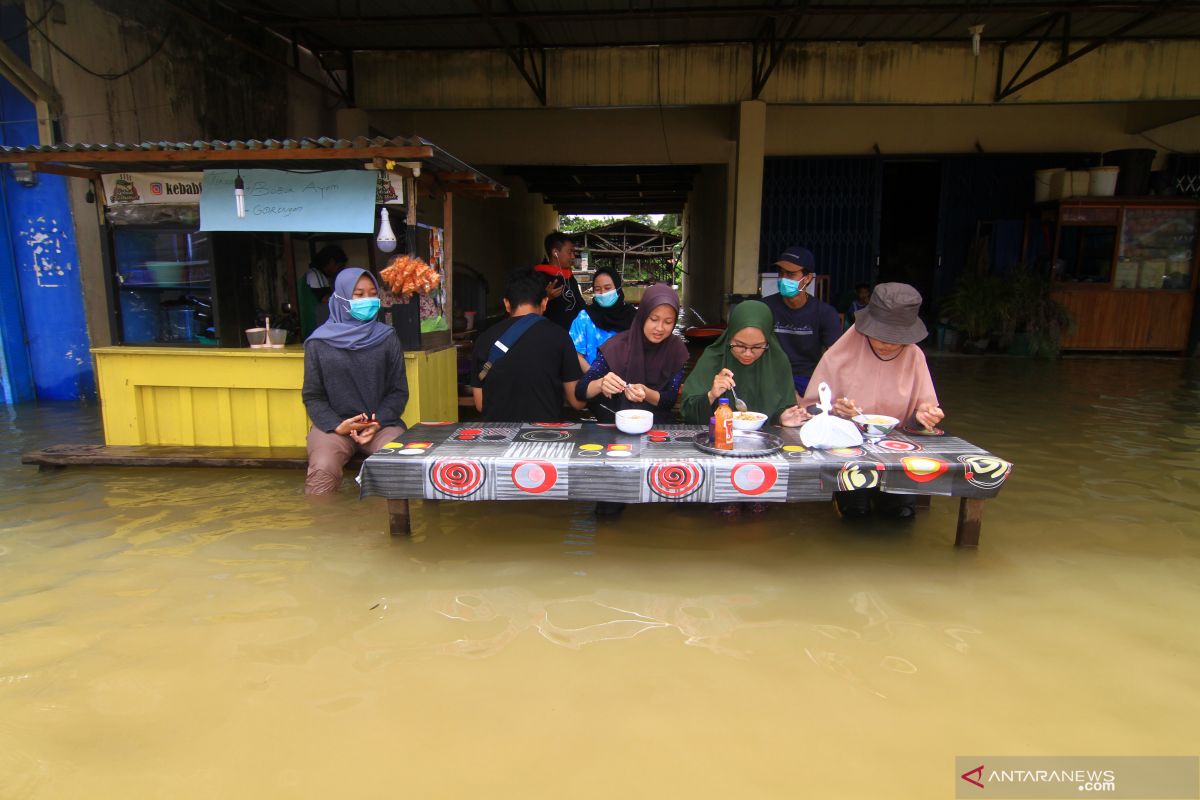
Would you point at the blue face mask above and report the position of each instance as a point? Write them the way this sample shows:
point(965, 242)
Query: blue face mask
point(789, 287)
point(606, 299)
point(364, 308)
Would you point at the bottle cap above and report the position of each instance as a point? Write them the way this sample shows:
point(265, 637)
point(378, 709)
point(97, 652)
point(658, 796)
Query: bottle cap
point(724, 401)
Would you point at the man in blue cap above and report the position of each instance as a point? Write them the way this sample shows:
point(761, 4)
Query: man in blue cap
point(805, 325)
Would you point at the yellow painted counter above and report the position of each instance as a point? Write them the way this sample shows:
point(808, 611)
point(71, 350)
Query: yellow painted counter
point(210, 396)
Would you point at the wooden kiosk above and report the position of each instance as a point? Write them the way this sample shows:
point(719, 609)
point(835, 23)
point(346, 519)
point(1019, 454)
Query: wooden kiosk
point(1124, 268)
point(180, 298)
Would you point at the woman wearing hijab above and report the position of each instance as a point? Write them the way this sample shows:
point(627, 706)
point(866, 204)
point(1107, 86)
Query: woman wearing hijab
point(877, 368)
point(749, 357)
point(607, 316)
point(355, 388)
point(641, 367)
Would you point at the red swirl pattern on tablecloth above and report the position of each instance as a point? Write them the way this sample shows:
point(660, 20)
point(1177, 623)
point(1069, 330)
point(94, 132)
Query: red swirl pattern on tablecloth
point(534, 477)
point(898, 446)
point(753, 477)
point(457, 478)
point(674, 480)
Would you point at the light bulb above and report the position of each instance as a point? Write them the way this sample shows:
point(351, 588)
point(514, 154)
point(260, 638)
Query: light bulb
point(239, 196)
point(386, 240)
point(976, 32)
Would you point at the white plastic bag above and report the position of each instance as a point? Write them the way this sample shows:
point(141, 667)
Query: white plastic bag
point(825, 431)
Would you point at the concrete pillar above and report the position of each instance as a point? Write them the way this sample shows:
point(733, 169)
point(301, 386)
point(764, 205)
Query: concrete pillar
point(747, 213)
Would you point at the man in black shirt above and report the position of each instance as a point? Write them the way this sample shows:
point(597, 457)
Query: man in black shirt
point(566, 299)
point(805, 325)
point(529, 381)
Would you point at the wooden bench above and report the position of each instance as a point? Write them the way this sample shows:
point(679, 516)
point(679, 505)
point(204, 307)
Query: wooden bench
point(101, 455)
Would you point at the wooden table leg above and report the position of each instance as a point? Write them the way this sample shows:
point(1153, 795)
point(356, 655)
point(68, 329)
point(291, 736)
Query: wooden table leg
point(970, 519)
point(398, 521)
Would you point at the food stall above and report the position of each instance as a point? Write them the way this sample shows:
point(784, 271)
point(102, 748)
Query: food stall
point(206, 243)
point(1125, 269)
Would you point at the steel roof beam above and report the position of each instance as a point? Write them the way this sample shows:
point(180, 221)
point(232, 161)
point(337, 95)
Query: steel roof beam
point(528, 55)
point(1068, 58)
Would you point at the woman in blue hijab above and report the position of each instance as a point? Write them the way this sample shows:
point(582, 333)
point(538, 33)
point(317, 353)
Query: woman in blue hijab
point(355, 388)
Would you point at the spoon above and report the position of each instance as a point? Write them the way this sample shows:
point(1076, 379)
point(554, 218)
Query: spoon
point(738, 403)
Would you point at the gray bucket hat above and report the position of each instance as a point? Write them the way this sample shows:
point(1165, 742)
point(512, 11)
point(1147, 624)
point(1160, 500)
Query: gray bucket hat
point(891, 315)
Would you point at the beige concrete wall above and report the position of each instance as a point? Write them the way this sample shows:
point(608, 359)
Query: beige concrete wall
point(578, 137)
point(498, 235)
point(747, 210)
point(813, 73)
point(905, 130)
point(706, 253)
point(196, 86)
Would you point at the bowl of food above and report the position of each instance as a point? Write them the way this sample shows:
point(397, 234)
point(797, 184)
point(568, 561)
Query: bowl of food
point(634, 421)
point(875, 426)
point(748, 420)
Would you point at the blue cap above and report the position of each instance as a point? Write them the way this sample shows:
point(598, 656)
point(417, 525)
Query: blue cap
point(798, 257)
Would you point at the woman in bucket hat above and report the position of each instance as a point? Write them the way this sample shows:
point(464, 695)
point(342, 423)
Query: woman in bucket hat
point(877, 368)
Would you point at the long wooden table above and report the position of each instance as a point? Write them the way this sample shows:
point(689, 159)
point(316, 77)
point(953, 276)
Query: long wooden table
point(590, 462)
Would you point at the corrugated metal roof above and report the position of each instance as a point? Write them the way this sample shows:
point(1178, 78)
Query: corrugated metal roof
point(267, 153)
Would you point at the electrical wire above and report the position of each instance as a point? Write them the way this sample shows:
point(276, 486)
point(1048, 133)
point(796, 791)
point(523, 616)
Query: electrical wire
point(29, 27)
point(108, 76)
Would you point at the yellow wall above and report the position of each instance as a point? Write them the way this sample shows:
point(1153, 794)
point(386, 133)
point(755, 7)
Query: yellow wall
point(835, 72)
point(906, 130)
point(231, 397)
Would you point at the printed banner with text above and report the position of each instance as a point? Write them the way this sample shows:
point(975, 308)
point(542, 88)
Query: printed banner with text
point(340, 201)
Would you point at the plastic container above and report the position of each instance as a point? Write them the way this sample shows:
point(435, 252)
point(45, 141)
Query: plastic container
point(1102, 181)
point(180, 321)
point(276, 337)
point(1080, 183)
point(1043, 183)
point(634, 421)
point(169, 273)
point(1135, 165)
point(723, 438)
point(256, 337)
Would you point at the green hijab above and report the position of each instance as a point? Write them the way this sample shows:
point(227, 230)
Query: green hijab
point(765, 386)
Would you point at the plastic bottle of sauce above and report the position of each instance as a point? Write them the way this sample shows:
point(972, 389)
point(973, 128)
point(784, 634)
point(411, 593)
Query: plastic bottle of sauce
point(723, 438)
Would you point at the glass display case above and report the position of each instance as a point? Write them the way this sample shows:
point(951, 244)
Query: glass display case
point(1157, 249)
point(164, 286)
point(1125, 269)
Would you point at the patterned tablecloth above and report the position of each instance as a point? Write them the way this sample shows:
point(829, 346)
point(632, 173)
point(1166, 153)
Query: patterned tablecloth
point(524, 461)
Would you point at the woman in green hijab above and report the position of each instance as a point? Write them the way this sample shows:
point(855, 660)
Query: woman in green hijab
point(749, 357)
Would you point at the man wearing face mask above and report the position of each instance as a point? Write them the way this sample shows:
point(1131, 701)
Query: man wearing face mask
point(804, 325)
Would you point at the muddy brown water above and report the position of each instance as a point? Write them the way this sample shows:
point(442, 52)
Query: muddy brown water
point(208, 633)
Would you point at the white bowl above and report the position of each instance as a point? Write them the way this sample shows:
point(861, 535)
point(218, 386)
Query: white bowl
point(635, 421)
point(748, 420)
point(875, 426)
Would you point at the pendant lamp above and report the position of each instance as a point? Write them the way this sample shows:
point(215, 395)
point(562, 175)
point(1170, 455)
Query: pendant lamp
point(386, 240)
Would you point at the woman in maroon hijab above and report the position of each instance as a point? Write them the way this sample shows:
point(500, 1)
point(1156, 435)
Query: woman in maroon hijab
point(643, 366)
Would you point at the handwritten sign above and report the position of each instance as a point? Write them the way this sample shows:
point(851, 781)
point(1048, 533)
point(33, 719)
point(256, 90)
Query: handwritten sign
point(342, 201)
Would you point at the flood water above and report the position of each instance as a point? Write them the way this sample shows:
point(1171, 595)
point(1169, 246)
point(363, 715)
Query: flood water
point(210, 633)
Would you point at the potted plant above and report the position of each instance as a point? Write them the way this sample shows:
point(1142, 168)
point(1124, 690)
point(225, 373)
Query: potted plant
point(977, 307)
point(1038, 320)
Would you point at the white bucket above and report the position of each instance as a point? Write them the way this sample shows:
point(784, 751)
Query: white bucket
point(1043, 181)
point(1080, 181)
point(1102, 181)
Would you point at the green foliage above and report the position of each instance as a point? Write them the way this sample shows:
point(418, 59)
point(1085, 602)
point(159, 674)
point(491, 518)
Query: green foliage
point(1017, 303)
